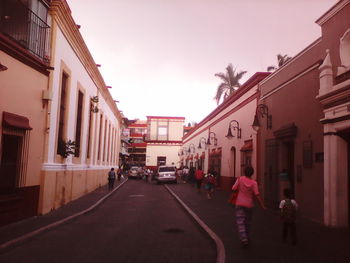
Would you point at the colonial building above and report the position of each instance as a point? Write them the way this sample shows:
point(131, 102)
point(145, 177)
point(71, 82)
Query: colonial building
point(81, 116)
point(137, 146)
point(224, 142)
point(60, 128)
point(305, 146)
point(24, 74)
point(164, 139)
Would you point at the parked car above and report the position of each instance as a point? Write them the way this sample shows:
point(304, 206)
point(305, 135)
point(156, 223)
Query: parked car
point(166, 174)
point(134, 172)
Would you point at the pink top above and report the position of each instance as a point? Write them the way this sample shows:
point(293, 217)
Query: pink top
point(247, 188)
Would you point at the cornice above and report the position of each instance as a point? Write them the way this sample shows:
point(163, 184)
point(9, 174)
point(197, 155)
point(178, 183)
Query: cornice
point(332, 12)
point(61, 13)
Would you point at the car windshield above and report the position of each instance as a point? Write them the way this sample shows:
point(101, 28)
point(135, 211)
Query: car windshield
point(166, 169)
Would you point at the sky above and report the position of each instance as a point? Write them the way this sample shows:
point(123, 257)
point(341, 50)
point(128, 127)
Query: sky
point(160, 56)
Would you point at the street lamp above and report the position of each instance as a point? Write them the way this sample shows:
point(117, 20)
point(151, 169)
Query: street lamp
point(212, 137)
point(262, 110)
point(201, 141)
point(235, 126)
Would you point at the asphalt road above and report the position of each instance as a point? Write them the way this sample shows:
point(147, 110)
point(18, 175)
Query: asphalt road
point(141, 222)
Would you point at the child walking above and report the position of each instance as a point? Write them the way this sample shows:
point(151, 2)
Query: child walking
point(210, 182)
point(288, 208)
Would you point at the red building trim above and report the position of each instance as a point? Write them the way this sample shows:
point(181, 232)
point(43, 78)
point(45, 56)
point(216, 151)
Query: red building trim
point(138, 144)
point(137, 126)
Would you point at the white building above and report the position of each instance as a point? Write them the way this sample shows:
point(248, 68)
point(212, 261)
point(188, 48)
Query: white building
point(81, 109)
point(164, 140)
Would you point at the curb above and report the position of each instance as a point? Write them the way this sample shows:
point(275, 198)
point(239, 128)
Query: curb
point(59, 222)
point(220, 248)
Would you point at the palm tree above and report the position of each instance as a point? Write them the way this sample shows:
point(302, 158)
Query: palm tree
point(281, 61)
point(230, 82)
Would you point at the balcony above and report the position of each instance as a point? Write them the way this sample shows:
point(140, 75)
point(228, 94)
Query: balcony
point(21, 25)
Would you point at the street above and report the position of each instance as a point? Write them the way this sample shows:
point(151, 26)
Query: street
point(141, 222)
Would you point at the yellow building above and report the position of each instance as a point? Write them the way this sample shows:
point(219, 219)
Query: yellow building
point(53, 99)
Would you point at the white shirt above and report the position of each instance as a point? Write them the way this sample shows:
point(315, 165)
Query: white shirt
point(293, 202)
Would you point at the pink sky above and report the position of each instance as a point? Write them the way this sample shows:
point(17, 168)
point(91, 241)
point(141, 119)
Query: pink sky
point(160, 56)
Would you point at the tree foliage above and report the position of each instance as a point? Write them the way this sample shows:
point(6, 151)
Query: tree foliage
point(230, 82)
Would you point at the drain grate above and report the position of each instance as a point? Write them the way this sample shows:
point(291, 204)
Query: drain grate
point(173, 230)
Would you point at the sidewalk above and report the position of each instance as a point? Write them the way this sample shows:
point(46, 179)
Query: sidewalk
point(315, 242)
point(18, 229)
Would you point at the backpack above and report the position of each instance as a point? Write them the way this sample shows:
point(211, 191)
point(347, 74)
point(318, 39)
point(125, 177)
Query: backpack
point(288, 211)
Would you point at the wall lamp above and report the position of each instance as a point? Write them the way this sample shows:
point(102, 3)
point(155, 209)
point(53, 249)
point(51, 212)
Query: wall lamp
point(212, 137)
point(2, 67)
point(262, 110)
point(235, 126)
point(201, 141)
point(190, 147)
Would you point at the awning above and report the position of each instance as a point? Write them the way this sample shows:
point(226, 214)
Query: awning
point(191, 157)
point(196, 156)
point(202, 155)
point(248, 146)
point(14, 120)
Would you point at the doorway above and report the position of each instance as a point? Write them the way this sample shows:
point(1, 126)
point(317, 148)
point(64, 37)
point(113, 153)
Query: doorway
point(10, 163)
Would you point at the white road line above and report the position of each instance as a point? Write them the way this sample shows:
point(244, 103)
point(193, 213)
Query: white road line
point(220, 248)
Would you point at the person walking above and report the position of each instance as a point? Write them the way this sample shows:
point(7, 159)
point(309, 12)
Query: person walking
point(199, 175)
point(247, 189)
point(119, 173)
point(209, 184)
point(185, 171)
point(111, 179)
point(288, 208)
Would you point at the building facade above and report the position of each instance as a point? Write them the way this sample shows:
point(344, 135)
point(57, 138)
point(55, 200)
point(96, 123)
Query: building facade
point(81, 114)
point(224, 142)
point(24, 75)
point(60, 128)
point(164, 139)
point(137, 146)
point(306, 147)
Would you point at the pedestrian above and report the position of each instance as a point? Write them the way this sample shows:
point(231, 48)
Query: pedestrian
point(119, 173)
point(209, 184)
point(288, 208)
point(111, 179)
point(185, 171)
point(191, 173)
point(247, 189)
point(199, 175)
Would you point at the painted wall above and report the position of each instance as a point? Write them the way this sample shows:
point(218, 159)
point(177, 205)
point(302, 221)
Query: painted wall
point(240, 108)
point(21, 93)
point(65, 179)
point(155, 150)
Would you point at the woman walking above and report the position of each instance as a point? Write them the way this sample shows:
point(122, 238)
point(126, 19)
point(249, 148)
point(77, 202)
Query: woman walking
point(247, 189)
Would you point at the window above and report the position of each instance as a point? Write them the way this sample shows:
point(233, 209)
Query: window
point(61, 146)
point(104, 141)
point(89, 130)
point(78, 124)
point(163, 133)
point(100, 138)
